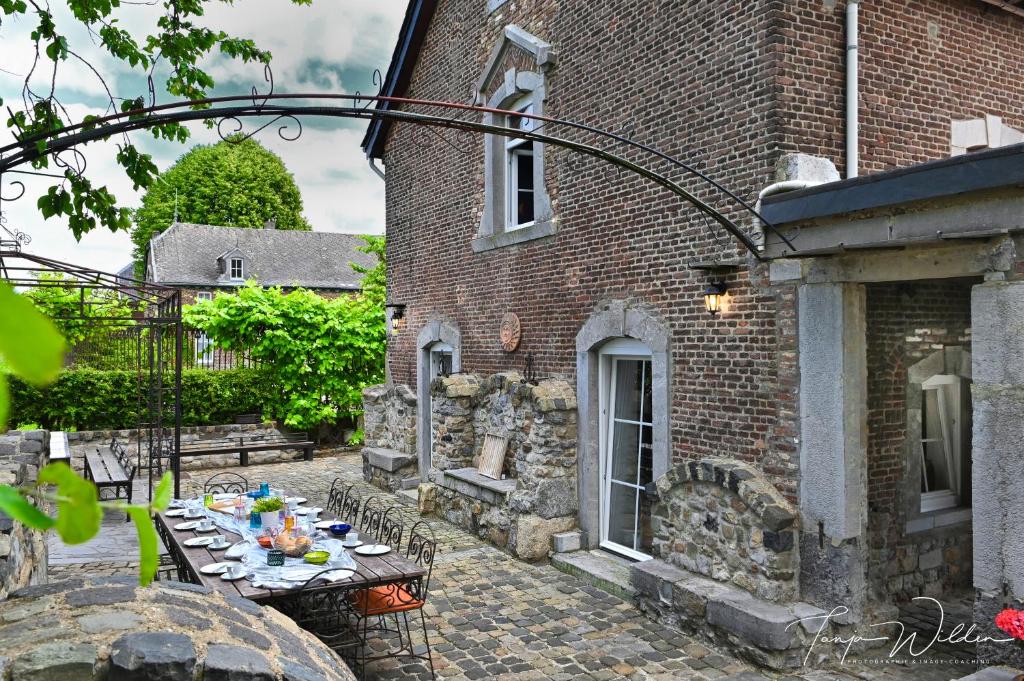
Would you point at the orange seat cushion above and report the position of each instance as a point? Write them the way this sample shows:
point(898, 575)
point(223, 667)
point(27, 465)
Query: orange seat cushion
point(386, 599)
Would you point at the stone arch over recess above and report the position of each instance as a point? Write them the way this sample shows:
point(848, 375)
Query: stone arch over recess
point(617, 319)
point(436, 331)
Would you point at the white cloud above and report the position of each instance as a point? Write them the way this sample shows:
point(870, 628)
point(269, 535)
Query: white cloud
point(340, 192)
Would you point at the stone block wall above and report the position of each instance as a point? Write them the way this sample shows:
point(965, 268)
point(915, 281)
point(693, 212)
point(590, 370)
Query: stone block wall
point(905, 324)
point(23, 553)
point(109, 628)
point(539, 497)
point(389, 417)
point(722, 519)
point(83, 440)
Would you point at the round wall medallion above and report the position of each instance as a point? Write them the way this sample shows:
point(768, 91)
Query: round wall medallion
point(510, 332)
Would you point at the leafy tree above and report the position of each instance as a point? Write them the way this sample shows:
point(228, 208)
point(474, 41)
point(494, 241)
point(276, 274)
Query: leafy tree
point(320, 353)
point(71, 308)
point(235, 183)
point(169, 53)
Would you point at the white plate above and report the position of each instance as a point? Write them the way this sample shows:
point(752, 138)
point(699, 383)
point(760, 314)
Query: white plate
point(194, 516)
point(223, 547)
point(236, 551)
point(373, 550)
point(228, 578)
point(198, 541)
point(214, 568)
point(208, 529)
point(221, 496)
point(297, 500)
point(187, 526)
point(340, 574)
point(175, 513)
point(311, 511)
point(352, 544)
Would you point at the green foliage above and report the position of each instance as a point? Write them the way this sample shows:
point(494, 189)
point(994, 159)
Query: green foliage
point(73, 310)
point(180, 42)
point(321, 353)
point(231, 183)
point(28, 426)
point(357, 438)
point(267, 504)
point(92, 399)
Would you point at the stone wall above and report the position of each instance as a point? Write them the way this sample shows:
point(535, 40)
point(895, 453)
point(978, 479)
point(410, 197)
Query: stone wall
point(23, 553)
point(82, 440)
point(389, 417)
point(537, 498)
point(109, 628)
point(721, 519)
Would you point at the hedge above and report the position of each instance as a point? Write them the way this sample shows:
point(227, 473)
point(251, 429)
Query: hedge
point(93, 399)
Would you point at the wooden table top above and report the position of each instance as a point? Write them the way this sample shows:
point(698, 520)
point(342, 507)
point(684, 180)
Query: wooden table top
point(373, 570)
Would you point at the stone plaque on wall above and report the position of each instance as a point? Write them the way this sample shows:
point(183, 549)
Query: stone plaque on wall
point(510, 332)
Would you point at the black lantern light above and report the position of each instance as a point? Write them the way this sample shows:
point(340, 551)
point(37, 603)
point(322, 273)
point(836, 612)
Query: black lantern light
point(713, 296)
point(397, 317)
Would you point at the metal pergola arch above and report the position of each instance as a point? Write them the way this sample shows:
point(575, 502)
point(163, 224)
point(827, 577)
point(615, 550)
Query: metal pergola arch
point(283, 107)
point(155, 326)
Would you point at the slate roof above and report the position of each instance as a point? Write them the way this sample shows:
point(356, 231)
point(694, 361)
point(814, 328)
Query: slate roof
point(186, 255)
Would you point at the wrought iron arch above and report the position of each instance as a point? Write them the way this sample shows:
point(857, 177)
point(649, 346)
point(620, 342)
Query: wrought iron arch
point(287, 109)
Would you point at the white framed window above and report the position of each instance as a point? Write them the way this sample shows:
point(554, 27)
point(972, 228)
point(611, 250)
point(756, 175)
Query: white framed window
point(945, 451)
point(520, 197)
point(236, 270)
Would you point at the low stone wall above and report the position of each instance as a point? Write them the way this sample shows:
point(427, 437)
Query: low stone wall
point(82, 440)
point(23, 553)
point(109, 628)
point(722, 519)
point(389, 425)
point(537, 498)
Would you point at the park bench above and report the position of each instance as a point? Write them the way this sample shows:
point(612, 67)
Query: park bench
point(111, 469)
point(59, 449)
point(244, 446)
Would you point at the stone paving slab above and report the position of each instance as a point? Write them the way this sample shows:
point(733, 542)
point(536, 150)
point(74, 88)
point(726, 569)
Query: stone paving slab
point(491, 616)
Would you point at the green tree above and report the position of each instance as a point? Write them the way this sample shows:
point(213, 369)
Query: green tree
point(234, 183)
point(320, 353)
point(168, 55)
point(74, 310)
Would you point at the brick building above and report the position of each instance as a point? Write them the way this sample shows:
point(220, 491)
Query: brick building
point(808, 446)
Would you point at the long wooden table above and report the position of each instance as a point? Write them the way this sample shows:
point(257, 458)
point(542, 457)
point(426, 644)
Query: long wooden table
point(373, 570)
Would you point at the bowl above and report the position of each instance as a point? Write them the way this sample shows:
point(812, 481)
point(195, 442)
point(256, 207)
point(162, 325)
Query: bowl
point(265, 541)
point(317, 557)
point(293, 546)
point(340, 529)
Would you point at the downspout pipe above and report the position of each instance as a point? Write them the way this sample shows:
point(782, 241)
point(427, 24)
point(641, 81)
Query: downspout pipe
point(373, 166)
point(852, 90)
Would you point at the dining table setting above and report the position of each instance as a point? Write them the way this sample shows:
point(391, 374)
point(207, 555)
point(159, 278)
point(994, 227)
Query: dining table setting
point(264, 544)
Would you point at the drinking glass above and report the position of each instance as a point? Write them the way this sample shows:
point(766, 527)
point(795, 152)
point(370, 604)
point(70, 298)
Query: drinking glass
point(264, 488)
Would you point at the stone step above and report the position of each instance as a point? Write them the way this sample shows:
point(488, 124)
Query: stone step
point(600, 569)
point(410, 483)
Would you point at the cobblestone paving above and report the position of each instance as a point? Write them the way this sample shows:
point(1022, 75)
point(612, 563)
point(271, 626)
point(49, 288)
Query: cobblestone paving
point(491, 616)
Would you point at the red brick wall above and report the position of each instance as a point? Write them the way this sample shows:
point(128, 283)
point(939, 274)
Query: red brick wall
point(905, 324)
point(922, 63)
point(726, 85)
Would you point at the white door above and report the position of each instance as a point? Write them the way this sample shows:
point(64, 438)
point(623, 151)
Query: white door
point(440, 365)
point(626, 450)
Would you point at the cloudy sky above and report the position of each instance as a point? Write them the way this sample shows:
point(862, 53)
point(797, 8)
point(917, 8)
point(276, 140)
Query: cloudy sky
point(330, 46)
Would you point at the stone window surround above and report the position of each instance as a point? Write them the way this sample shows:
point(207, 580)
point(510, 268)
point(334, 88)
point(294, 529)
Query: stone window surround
point(615, 321)
point(951, 360)
point(433, 332)
point(516, 87)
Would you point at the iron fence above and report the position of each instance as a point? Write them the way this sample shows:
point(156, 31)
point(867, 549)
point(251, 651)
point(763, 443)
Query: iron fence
point(121, 348)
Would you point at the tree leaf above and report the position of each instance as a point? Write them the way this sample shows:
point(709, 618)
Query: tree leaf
point(78, 512)
point(162, 494)
point(148, 552)
point(18, 507)
point(5, 401)
point(29, 342)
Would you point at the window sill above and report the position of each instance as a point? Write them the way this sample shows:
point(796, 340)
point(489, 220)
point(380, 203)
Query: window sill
point(537, 230)
point(494, 4)
point(937, 520)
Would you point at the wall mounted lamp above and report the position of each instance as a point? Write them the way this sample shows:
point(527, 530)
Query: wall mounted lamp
point(397, 317)
point(713, 296)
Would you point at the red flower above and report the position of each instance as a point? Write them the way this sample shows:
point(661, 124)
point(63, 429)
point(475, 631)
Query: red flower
point(1012, 622)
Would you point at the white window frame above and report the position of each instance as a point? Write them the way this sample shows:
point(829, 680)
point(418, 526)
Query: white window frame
point(241, 269)
point(620, 348)
point(952, 441)
point(513, 145)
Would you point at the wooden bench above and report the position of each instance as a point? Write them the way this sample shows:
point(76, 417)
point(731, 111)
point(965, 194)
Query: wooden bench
point(59, 449)
point(243, 446)
point(111, 469)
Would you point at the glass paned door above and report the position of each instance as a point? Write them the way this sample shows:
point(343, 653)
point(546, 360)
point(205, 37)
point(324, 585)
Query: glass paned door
point(628, 460)
point(440, 365)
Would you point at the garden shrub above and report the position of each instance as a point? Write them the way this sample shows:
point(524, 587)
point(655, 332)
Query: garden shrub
point(92, 399)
